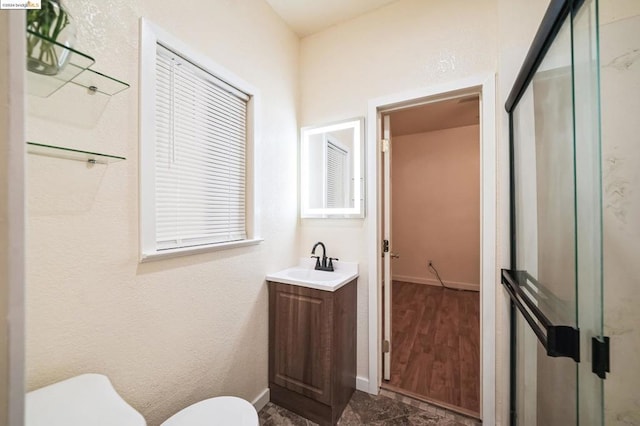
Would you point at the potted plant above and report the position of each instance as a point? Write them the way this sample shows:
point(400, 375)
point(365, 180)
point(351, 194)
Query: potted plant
point(48, 30)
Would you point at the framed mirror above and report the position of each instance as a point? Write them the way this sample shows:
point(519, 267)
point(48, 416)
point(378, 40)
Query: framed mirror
point(332, 170)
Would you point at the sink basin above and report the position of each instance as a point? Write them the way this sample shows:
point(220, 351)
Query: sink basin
point(304, 275)
point(309, 274)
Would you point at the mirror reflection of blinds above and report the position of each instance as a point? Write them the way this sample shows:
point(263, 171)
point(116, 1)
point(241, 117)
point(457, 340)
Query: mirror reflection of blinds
point(336, 170)
point(200, 155)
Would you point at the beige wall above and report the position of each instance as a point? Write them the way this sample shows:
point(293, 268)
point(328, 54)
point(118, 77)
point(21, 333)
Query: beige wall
point(171, 332)
point(620, 91)
point(4, 219)
point(12, 221)
point(407, 45)
point(436, 206)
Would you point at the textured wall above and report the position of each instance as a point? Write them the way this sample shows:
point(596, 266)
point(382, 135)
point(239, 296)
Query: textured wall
point(620, 91)
point(436, 206)
point(12, 220)
point(4, 219)
point(171, 332)
point(408, 44)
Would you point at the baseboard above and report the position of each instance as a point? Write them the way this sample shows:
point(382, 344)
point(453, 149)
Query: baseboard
point(362, 384)
point(429, 281)
point(261, 400)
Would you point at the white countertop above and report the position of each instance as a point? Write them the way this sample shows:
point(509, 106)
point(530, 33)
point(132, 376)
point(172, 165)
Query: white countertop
point(305, 275)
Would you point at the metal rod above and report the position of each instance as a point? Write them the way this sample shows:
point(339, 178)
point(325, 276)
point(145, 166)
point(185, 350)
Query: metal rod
point(513, 336)
point(532, 323)
point(540, 316)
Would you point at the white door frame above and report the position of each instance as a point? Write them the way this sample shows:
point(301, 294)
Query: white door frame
point(485, 86)
point(387, 277)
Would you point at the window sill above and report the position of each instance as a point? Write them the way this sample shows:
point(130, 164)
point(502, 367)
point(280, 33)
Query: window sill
point(186, 251)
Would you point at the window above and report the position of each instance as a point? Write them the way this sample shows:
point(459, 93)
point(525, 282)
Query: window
point(196, 148)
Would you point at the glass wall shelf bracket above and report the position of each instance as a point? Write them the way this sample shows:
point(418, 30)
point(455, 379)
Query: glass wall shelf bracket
point(96, 82)
point(76, 71)
point(72, 154)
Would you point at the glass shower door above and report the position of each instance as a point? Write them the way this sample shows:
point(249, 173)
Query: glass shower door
point(559, 356)
point(545, 230)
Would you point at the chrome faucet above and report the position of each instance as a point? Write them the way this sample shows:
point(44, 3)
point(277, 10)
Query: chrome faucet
point(322, 265)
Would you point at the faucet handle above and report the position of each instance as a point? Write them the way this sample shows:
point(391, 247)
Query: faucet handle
point(331, 259)
point(317, 258)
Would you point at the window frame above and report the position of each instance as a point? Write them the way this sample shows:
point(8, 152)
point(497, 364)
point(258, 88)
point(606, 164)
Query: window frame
point(150, 36)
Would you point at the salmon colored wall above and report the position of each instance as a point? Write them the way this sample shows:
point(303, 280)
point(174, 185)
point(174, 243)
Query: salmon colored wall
point(436, 206)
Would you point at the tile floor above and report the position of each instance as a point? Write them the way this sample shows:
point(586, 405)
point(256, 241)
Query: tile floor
point(388, 408)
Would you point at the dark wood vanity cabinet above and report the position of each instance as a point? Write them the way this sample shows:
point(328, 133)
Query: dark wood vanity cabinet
point(312, 349)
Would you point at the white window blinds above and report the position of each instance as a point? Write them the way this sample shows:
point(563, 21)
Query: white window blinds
point(336, 176)
point(200, 155)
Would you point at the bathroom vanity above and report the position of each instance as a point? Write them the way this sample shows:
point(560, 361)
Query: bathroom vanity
point(312, 341)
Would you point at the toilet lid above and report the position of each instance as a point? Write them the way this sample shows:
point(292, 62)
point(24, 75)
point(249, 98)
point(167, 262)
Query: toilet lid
point(88, 399)
point(220, 411)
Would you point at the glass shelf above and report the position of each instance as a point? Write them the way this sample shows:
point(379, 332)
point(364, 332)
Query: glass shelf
point(96, 82)
point(72, 154)
point(76, 71)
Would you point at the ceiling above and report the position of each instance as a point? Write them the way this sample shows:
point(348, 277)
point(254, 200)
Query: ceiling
point(307, 17)
point(447, 114)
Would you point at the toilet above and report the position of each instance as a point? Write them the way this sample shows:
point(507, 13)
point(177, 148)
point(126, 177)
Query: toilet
point(224, 410)
point(90, 399)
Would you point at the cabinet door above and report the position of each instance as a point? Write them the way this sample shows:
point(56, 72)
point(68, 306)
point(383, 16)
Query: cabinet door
point(300, 326)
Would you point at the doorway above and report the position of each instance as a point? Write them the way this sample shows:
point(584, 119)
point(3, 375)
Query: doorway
point(483, 89)
point(431, 198)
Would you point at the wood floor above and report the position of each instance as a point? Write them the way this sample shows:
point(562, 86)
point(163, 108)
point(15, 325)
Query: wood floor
point(436, 344)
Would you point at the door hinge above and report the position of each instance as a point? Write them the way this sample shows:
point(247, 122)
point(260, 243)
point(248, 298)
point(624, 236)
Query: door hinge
point(385, 246)
point(385, 145)
point(600, 356)
point(385, 347)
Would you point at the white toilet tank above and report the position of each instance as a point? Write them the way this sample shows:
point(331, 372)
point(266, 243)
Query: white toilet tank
point(88, 399)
